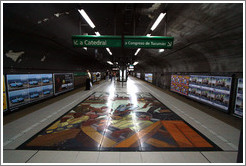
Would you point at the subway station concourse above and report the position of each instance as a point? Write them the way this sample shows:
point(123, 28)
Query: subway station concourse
point(122, 83)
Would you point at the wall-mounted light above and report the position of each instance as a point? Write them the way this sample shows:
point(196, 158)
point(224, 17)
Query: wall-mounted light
point(135, 63)
point(158, 20)
point(109, 51)
point(137, 51)
point(161, 50)
point(86, 17)
point(148, 35)
point(109, 62)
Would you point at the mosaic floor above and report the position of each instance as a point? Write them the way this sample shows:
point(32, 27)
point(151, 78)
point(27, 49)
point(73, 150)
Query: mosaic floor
point(120, 122)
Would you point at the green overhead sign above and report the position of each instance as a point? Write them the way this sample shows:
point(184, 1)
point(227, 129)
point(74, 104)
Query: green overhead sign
point(148, 42)
point(129, 41)
point(96, 41)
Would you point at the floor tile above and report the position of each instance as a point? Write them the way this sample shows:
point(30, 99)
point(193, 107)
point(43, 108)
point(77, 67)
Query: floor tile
point(130, 157)
point(152, 157)
point(87, 157)
point(17, 156)
point(184, 157)
point(54, 157)
point(109, 157)
point(221, 157)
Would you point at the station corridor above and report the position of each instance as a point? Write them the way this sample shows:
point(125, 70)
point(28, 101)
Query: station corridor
point(115, 122)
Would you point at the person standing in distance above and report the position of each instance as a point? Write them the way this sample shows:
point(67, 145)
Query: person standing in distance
point(107, 75)
point(88, 80)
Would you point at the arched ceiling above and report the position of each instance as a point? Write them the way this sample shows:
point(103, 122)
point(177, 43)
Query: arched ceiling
point(208, 37)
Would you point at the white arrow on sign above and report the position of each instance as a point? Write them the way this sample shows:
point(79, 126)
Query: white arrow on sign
point(169, 44)
point(75, 42)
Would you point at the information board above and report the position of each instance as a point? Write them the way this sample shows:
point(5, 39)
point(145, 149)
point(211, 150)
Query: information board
point(214, 90)
point(238, 110)
point(26, 88)
point(63, 82)
point(180, 84)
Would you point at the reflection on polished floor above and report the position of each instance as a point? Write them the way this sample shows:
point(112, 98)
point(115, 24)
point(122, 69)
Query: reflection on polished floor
point(124, 121)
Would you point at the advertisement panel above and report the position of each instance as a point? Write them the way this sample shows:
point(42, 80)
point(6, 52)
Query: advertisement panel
point(214, 90)
point(34, 80)
point(47, 90)
point(180, 84)
point(26, 88)
point(238, 110)
point(46, 79)
point(148, 77)
point(138, 75)
point(98, 74)
point(18, 97)
point(63, 82)
point(17, 81)
point(94, 77)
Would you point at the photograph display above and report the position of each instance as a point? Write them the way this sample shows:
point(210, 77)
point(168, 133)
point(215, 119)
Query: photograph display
point(94, 77)
point(63, 82)
point(17, 81)
point(180, 84)
point(107, 122)
point(138, 75)
point(148, 77)
point(214, 90)
point(239, 99)
point(18, 97)
point(98, 75)
point(26, 88)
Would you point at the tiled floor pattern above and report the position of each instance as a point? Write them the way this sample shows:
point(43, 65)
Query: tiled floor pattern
point(120, 121)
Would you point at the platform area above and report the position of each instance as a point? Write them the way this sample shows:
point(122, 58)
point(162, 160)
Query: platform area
point(114, 122)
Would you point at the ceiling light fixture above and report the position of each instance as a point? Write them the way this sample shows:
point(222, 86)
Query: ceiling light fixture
point(158, 20)
point(135, 63)
point(97, 33)
point(109, 62)
point(86, 17)
point(109, 51)
point(161, 50)
point(137, 51)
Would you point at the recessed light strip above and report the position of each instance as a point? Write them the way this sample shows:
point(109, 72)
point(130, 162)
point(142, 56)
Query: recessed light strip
point(109, 51)
point(109, 62)
point(86, 17)
point(158, 20)
point(137, 51)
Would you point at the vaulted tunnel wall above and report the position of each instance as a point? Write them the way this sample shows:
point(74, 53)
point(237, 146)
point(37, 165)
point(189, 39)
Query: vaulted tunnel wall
point(42, 55)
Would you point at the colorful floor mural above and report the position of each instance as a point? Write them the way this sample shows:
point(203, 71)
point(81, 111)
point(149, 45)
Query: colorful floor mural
point(120, 122)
